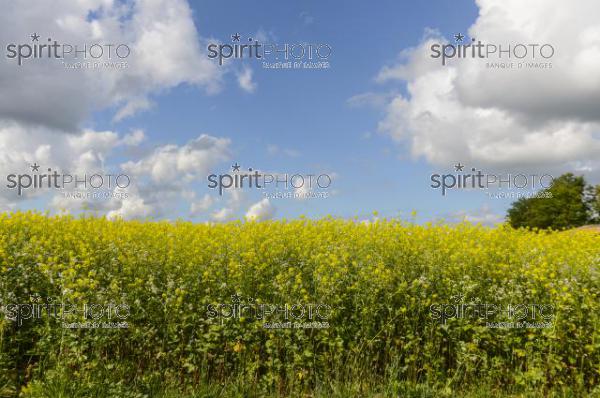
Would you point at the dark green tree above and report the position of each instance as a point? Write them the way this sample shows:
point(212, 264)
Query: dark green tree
point(567, 203)
point(594, 200)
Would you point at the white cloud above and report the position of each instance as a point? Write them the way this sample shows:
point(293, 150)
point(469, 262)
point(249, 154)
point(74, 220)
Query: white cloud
point(235, 200)
point(134, 138)
point(160, 181)
point(132, 207)
point(132, 106)
point(262, 210)
point(370, 99)
point(265, 36)
point(484, 216)
point(166, 51)
point(168, 174)
point(532, 119)
point(202, 205)
point(306, 18)
point(171, 164)
point(223, 214)
point(276, 150)
point(22, 146)
point(244, 78)
point(302, 192)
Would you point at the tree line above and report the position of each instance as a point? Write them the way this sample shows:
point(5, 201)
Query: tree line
point(568, 202)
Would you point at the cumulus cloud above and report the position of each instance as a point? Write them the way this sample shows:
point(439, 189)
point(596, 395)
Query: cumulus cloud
point(223, 214)
point(159, 180)
point(245, 81)
point(528, 118)
point(172, 164)
point(235, 198)
point(166, 51)
point(21, 147)
point(202, 205)
point(164, 176)
point(167, 178)
point(262, 210)
point(130, 108)
point(133, 207)
point(484, 216)
point(134, 138)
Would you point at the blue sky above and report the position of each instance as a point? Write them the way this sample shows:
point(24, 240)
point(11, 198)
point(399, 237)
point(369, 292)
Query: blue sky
point(382, 119)
point(308, 111)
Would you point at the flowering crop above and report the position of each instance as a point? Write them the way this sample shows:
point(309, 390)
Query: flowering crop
point(378, 282)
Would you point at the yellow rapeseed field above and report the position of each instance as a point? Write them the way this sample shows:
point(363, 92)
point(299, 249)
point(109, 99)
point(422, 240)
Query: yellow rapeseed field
point(377, 284)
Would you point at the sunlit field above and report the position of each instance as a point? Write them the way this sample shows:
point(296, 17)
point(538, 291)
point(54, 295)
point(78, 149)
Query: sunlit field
point(295, 308)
